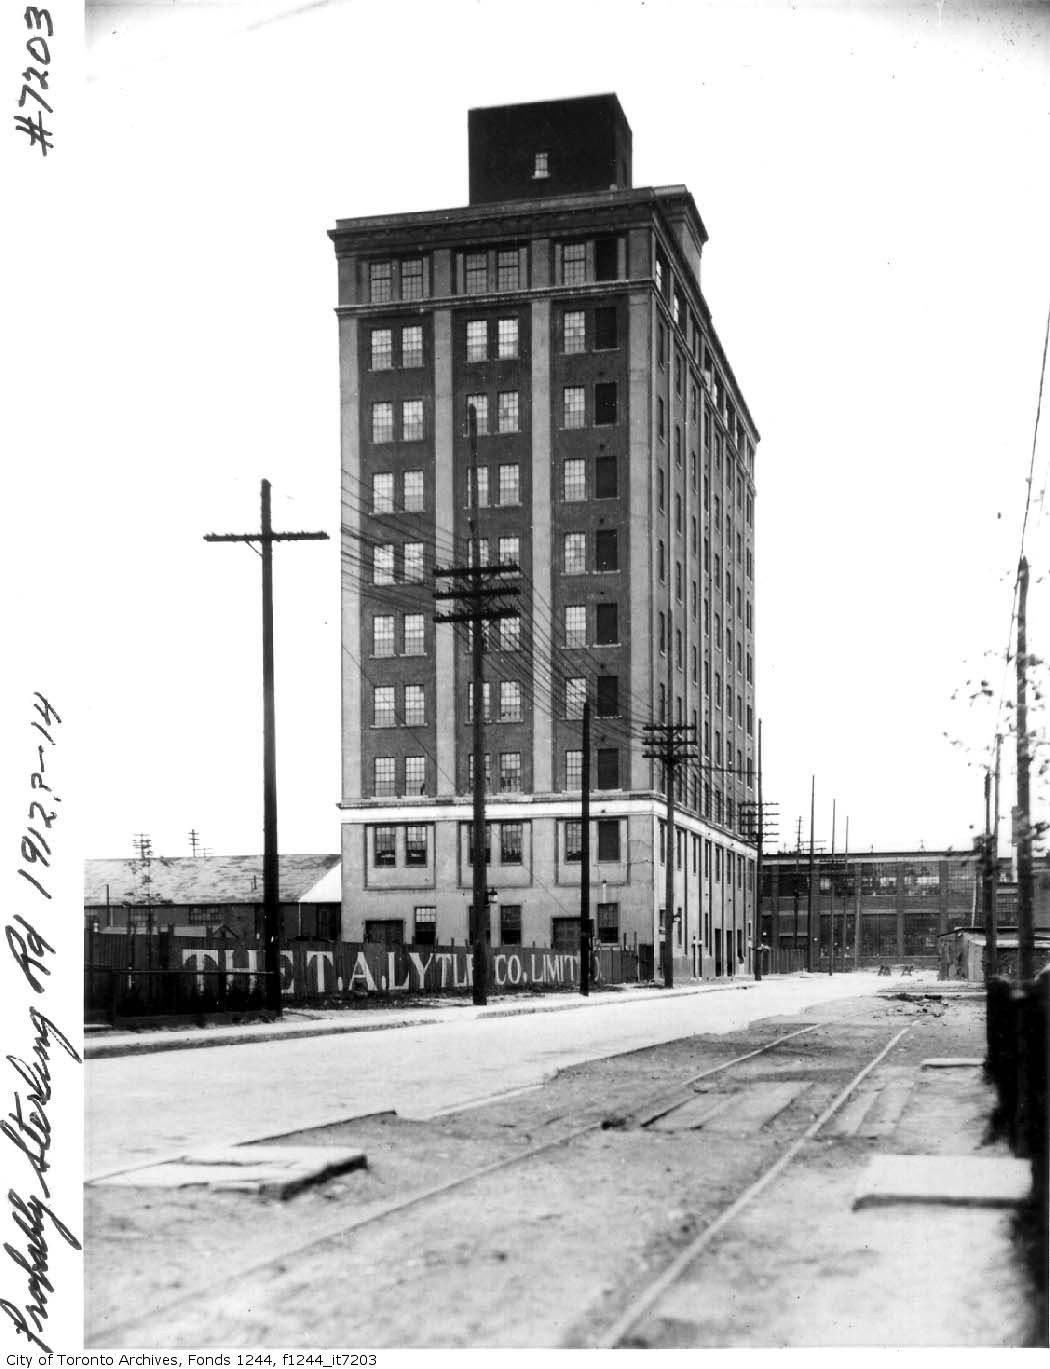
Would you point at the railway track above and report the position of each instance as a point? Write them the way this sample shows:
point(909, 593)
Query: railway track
point(641, 1110)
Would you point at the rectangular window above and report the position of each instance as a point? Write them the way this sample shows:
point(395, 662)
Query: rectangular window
point(508, 551)
point(477, 339)
point(486, 694)
point(576, 625)
point(488, 773)
point(573, 406)
point(383, 708)
point(384, 844)
point(608, 767)
point(604, 328)
point(415, 706)
point(510, 701)
point(415, 843)
point(382, 349)
point(608, 839)
point(412, 278)
point(608, 696)
point(609, 924)
point(660, 421)
point(384, 769)
point(510, 772)
point(606, 625)
point(509, 634)
point(476, 272)
point(606, 550)
point(575, 696)
point(574, 479)
point(414, 644)
point(415, 775)
point(411, 420)
point(425, 932)
point(379, 278)
point(480, 405)
point(507, 269)
point(382, 421)
point(509, 484)
point(606, 258)
point(510, 843)
point(605, 478)
point(573, 769)
point(507, 411)
point(478, 490)
point(383, 564)
point(660, 487)
point(412, 492)
point(575, 553)
point(510, 924)
point(573, 841)
point(413, 563)
point(383, 635)
point(605, 403)
point(574, 330)
point(507, 338)
point(573, 263)
point(383, 492)
point(412, 346)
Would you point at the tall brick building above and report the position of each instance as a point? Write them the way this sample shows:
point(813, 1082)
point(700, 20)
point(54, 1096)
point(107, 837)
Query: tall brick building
point(616, 461)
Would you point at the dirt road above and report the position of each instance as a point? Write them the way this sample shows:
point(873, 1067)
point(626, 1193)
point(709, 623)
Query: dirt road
point(540, 1219)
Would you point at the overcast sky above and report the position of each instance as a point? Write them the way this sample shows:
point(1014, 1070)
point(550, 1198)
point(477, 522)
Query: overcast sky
point(873, 179)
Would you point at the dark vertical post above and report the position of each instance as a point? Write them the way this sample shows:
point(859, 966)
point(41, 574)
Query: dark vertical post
point(986, 877)
point(831, 900)
point(479, 912)
point(809, 896)
point(669, 843)
point(271, 893)
point(585, 856)
point(845, 894)
point(756, 940)
point(1025, 926)
point(992, 948)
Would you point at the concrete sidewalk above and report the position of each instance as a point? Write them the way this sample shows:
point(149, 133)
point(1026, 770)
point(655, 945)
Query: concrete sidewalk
point(299, 1023)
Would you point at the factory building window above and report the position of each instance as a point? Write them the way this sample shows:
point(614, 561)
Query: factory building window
point(385, 773)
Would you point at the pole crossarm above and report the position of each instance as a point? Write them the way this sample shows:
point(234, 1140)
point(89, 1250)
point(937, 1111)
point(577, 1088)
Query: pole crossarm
point(502, 568)
point(266, 537)
point(495, 592)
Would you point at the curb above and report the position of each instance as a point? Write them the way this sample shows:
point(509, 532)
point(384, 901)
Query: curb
point(155, 1043)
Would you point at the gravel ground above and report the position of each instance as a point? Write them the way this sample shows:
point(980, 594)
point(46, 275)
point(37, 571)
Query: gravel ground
point(548, 1252)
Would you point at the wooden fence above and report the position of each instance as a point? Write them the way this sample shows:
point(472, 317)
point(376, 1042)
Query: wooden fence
point(132, 974)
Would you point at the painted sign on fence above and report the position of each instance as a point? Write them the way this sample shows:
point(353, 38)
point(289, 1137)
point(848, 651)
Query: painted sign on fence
point(351, 969)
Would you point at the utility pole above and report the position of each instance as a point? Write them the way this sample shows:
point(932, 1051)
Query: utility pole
point(809, 899)
point(760, 820)
point(195, 841)
point(798, 852)
point(831, 901)
point(479, 585)
point(1025, 926)
point(266, 537)
point(585, 856)
point(671, 743)
point(845, 895)
point(757, 938)
point(992, 943)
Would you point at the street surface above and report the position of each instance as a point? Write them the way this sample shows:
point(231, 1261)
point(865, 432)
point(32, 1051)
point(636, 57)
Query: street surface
point(699, 1193)
point(143, 1108)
